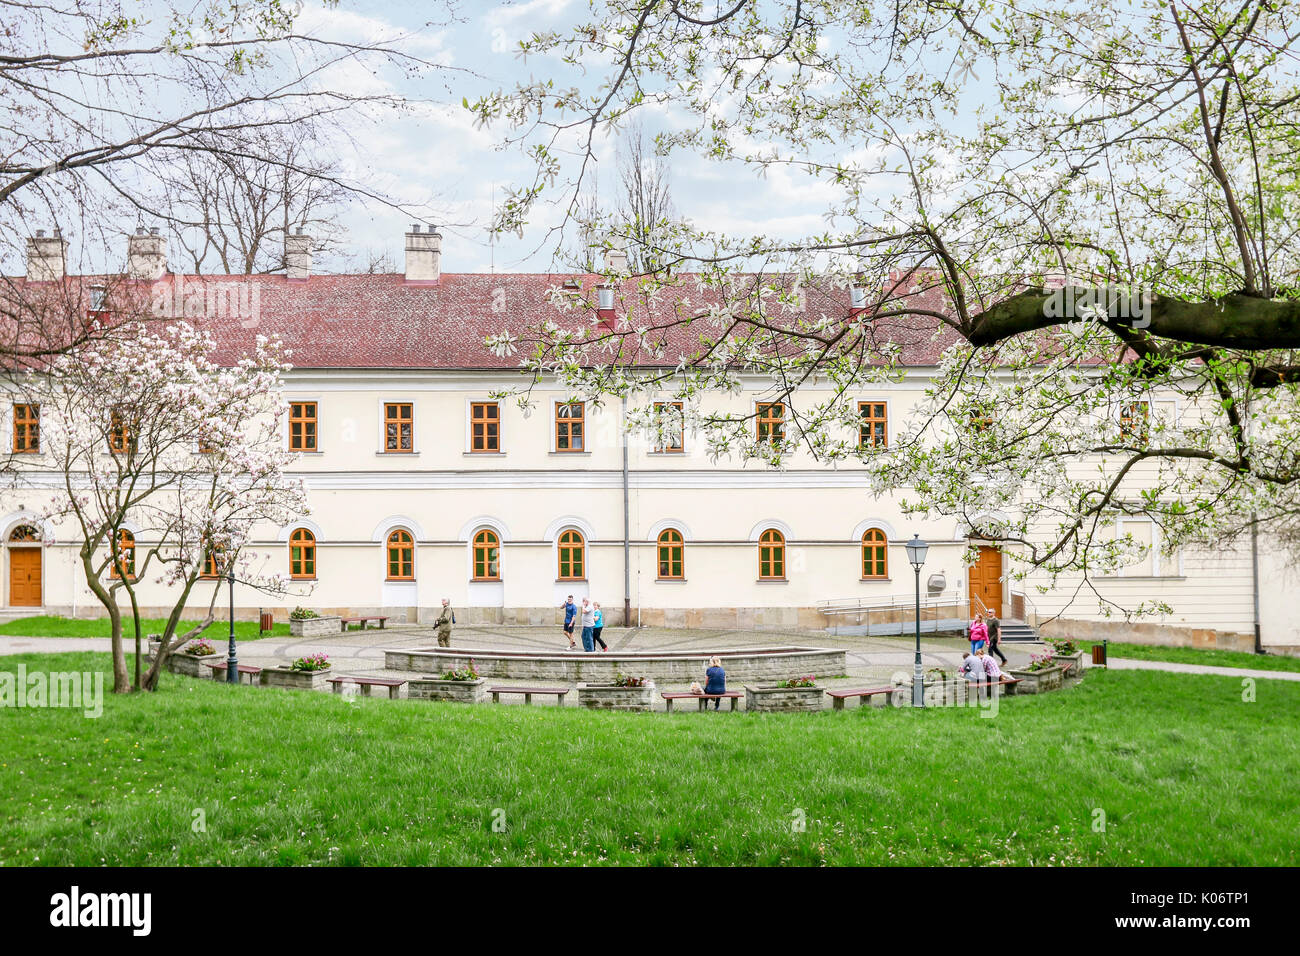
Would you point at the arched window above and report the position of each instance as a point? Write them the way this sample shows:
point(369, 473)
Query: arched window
point(24, 534)
point(573, 556)
point(671, 555)
point(401, 556)
point(302, 554)
point(487, 556)
point(875, 557)
point(124, 565)
point(771, 556)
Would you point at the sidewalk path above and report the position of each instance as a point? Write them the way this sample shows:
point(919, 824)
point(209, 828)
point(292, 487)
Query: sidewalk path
point(1127, 664)
point(56, 645)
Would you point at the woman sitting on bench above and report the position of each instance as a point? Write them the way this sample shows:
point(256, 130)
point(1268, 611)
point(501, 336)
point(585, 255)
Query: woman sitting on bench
point(717, 682)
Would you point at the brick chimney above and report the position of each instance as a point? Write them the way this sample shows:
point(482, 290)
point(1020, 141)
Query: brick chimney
point(47, 256)
point(146, 255)
point(605, 306)
point(297, 255)
point(423, 255)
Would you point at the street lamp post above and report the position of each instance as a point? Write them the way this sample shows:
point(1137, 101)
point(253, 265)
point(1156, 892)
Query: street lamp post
point(916, 550)
point(232, 662)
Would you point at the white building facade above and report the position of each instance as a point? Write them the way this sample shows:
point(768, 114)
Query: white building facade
point(423, 485)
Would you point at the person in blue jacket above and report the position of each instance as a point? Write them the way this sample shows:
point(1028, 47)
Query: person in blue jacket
point(570, 612)
point(717, 682)
point(598, 627)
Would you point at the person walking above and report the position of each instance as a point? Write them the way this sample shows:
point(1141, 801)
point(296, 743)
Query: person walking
point(716, 682)
point(979, 633)
point(588, 614)
point(995, 630)
point(597, 626)
point(570, 612)
point(444, 623)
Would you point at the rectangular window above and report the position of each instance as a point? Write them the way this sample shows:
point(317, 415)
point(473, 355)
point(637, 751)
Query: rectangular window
point(398, 424)
point(672, 428)
point(121, 436)
point(771, 422)
point(484, 427)
point(570, 418)
point(302, 426)
point(873, 431)
point(27, 429)
point(1135, 421)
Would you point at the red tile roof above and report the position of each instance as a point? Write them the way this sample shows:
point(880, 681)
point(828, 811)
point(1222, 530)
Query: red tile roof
point(384, 321)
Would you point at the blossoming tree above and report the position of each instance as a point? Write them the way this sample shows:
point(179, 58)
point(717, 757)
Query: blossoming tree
point(167, 462)
point(1082, 217)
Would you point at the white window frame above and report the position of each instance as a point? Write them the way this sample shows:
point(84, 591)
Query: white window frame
point(1157, 558)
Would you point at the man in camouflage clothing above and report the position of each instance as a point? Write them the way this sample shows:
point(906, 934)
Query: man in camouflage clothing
point(444, 623)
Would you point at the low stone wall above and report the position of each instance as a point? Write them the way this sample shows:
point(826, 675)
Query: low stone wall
point(296, 680)
point(316, 626)
point(783, 699)
point(612, 697)
point(461, 691)
point(192, 666)
point(1035, 682)
point(1149, 633)
point(573, 667)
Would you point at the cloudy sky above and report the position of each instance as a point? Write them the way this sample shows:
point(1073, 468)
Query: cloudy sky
point(431, 153)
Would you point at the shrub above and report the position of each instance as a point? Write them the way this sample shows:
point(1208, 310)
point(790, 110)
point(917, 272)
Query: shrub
point(469, 673)
point(1064, 646)
point(313, 662)
point(1039, 662)
point(808, 680)
point(199, 647)
point(302, 614)
point(627, 680)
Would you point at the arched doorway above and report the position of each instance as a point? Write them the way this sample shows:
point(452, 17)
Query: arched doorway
point(986, 581)
point(25, 567)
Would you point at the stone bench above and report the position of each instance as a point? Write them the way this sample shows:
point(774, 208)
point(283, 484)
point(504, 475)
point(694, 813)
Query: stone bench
point(394, 684)
point(528, 693)
point(732, 695)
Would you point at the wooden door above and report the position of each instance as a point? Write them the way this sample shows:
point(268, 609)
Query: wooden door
point(25, 577)
point(986, 581)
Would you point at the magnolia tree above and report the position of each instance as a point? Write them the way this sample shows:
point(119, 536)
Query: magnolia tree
point(167, 462)
point(1084, 216)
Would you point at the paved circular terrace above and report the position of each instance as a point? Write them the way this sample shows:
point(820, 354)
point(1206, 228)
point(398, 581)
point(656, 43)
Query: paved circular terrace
point(869, 659)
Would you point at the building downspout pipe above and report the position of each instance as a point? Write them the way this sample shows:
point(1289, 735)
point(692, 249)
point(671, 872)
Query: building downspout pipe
point(1254, 578)
point(627, 532)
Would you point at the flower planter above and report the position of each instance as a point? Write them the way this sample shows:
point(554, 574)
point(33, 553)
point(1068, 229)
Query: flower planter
point(776, 699)
point(612, 697)
point(296, 680)
point(462, 691)
point(191, 665)
point(316, 626)
point(1035, 682)
point(1076, 671)
point(938, 693)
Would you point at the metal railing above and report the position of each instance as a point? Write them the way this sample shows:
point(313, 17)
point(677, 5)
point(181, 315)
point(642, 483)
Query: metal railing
point(896, 613)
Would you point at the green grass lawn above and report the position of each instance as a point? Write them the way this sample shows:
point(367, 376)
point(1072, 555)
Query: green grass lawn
point(1184, 770)
point(1196, 655)
point(51, 625)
